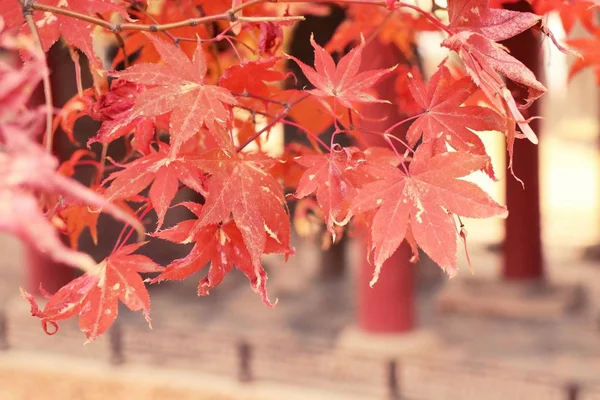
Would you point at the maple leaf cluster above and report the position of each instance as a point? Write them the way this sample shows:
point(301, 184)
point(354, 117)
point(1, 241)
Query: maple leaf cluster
point(194, 83)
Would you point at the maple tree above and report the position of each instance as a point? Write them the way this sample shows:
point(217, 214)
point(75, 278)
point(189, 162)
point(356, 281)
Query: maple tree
point(206, 82)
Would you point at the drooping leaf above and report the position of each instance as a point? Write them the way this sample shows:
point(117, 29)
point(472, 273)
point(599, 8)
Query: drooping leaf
point(28, 171)
point(477, 29)
point(240, 186)
point(221, 246)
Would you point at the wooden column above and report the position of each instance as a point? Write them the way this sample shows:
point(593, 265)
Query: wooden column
point(42, 270)
point(389, 306)
point(523, 244)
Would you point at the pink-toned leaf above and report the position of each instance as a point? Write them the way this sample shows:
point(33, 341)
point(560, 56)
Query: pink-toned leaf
point(180, 90)
point(344, 82)
point(422, 200)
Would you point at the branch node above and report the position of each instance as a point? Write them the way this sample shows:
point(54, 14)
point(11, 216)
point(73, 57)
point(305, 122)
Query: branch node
point(193, 22)
point(153, 28)
point(117, 28)
point(231, 15)
point(27, 7)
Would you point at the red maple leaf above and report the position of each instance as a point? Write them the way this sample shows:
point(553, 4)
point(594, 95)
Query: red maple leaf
point(251, 77)
point(77, 218)
point(444, 121)
point(50, 26)
point(405, 101)
point(342, 81)
point(163, 172)
point(590, 50)
point(422, 200)
point(74, 108)
point(396, 27)
point(178, 88)
point(270, 38)
point(334, 178)
point(94, 296)
point(222, 246)
point(113, 108)
point(240, 186)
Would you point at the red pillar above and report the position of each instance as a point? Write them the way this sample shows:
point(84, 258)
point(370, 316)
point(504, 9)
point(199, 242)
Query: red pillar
point(44, 271)
point(523, 243)
point(40, 269)
point(388, 307)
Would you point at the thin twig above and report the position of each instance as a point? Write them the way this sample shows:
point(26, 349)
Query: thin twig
point(49, 136)
point(427, 15)
point(271, 124)
point(315, 139)
point(102, 165)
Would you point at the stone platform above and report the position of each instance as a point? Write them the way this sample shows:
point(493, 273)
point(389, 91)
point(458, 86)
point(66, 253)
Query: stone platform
point(235, 344)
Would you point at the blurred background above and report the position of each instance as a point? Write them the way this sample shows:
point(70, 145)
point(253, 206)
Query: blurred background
point(523, 325)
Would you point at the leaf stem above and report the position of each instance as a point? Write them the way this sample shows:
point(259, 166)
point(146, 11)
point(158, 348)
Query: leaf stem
point(385, 136)
point(102, 166)
point(397, 124)
point(131, 229)
point(271, 124)
point(309, 134)
point(144, 209)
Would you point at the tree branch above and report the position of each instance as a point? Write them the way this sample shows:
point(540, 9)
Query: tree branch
point(127, 26)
